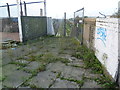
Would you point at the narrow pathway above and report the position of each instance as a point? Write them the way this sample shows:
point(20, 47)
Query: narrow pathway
point(48, 62)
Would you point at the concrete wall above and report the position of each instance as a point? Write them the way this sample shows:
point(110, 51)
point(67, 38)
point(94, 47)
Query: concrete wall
point(33, 27)
point(89, 32)
point(106, 44)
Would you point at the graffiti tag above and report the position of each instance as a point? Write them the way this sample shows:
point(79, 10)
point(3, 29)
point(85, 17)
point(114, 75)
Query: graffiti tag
point(101, 35)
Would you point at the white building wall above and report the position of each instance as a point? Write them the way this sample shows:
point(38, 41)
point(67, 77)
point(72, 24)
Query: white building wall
point(106, 43)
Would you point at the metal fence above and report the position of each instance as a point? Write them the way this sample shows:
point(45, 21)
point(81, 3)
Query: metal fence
point(63, 26)
point(10, 14)
point(78, 24)
point(11, 10)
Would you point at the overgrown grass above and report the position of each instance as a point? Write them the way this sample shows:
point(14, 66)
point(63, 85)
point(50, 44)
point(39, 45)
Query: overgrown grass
point(105, 82)
point(79, 82)
point(18, 63)
point(90, 61)
point(47, 58)
point(2, 78)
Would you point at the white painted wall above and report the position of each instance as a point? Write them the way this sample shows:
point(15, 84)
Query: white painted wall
point(50, 29)
point(106, 43)
point(119, 50)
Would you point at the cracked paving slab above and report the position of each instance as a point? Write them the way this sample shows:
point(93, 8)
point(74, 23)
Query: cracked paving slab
point(64, 84)
point(91, 84)
point(33, 66)
point(74, 61)
point(88, 74)
point(56, 67)
point(66, 71)
point(43, 79)
point(15, 79)
point(9, 69)
point(73, 72)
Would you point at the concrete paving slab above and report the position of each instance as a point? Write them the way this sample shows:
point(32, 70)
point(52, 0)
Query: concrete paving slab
point(43, 79)
point(6, 59)
point(88, 74)
point(76, 63)
point(33, 66)
point(72, 72)
point(8, 69)
point(64, 84)
point(91, 84)
point(57, 67)
point(15, 79)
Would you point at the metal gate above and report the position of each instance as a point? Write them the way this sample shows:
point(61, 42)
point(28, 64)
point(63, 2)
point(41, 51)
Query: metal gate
point(78, 24)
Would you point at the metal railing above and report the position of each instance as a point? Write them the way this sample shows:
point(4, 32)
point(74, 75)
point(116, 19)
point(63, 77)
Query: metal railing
point(25, 7)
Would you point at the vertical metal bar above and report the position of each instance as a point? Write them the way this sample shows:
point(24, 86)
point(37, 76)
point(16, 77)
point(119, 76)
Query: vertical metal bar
point(45, 14)
point(82, 27)
point(25, 8)
point(64, 24)
point(21, 8)
point(75, 26)
point(41, 12)
point(8, 8)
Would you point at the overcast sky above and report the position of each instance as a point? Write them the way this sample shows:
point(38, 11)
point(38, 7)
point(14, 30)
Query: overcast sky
point(56, 8)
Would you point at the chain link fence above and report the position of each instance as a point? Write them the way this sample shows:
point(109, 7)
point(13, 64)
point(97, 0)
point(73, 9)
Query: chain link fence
point(78, 24)
point(63, 26)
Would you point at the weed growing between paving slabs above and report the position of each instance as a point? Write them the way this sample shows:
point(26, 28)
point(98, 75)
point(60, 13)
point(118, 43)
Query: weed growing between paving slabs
point(80, 52)
point(44, 59)
point(79, 82)
point(90, 61)
point(48, 58)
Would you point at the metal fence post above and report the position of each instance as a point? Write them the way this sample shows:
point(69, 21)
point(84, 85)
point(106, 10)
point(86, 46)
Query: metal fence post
point(82, 27)
point(45, 8)
point(8, 8)
point(21, 8)
point(41, 12)
point(65, 24)
point(25, 8)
